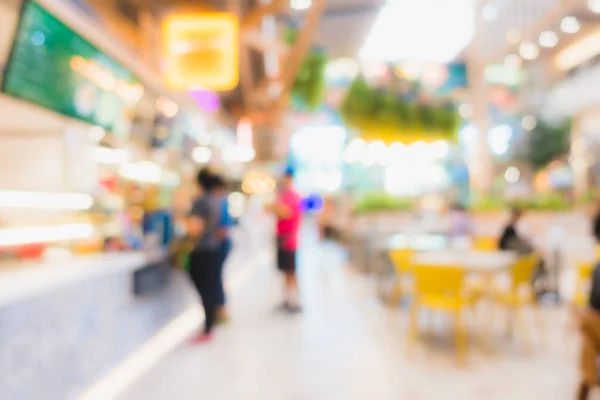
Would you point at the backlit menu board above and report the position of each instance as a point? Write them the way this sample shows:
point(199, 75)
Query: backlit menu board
point(54, 67)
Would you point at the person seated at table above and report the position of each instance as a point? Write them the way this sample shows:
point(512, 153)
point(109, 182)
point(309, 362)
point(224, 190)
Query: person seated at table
point(510, 240)
point(590, 334)
point(461, 223)
point(596, 227)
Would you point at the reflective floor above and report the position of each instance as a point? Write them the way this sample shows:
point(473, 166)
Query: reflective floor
point(346, 345)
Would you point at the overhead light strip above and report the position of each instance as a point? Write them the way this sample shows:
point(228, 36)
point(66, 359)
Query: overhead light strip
point(41, 200)
point(45, 234)
point(580, 52)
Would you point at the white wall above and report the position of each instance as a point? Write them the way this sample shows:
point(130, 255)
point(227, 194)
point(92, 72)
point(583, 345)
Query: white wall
point(42, 150)
point(31, 163)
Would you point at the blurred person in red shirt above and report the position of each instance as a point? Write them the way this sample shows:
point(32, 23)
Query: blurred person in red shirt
point(287, 210)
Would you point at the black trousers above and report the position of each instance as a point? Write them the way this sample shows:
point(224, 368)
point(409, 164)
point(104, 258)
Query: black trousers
point(204, 267)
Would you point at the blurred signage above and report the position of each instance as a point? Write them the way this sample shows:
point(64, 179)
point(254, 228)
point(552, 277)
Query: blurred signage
point(201, 51)
point(53, 67)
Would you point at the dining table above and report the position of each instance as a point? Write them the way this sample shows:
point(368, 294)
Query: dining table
point(417, 242)
point(473, 261)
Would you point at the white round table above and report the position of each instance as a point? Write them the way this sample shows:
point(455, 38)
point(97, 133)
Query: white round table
point(471, 260)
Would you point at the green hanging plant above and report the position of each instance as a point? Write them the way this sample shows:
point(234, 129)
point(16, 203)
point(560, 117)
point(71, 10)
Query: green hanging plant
point(309, 85)
point(308, 91)
point(382, 115)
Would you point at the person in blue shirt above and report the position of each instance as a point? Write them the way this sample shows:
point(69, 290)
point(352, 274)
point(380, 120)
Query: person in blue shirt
point(225, 222)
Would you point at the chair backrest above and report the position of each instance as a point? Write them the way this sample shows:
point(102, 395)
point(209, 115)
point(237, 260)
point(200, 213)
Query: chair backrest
point(434, 280)
point(583, 282)
point(401, 259)
point(522, 271)
point(584, 275)
point(584, 271)
point(485, 243)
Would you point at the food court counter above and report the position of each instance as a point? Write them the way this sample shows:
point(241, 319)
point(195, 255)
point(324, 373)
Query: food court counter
point(66, 323)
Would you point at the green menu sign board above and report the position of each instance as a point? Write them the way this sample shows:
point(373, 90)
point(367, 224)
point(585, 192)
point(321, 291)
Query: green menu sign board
point(54, 67)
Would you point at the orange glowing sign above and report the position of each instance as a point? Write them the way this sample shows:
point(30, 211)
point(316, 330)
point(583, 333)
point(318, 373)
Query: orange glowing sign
point(201, 51)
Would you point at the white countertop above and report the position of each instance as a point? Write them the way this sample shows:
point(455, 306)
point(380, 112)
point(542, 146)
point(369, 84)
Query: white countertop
point(20, 280)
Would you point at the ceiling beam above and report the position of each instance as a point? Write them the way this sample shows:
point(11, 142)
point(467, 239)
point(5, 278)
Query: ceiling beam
point(254, 18)
point(300, 49)
point(259, 42)
point(350, 11)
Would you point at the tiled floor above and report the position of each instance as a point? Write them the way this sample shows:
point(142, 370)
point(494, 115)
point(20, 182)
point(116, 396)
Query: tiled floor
point(347, 346)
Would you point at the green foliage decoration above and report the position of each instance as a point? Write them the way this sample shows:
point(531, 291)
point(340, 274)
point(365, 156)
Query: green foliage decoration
point(381, 114)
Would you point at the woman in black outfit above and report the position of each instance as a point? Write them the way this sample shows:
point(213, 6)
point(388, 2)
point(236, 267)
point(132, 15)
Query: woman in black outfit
point(203, 229)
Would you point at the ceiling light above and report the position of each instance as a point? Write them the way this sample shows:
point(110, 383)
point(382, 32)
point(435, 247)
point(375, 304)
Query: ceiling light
point(570, 24)
point(548, 39)
point(300, 5)
point(489, 12)
point(513, 61)
point(455, 22)
point(235, 154)
point(513, 36)
point(465, 110)
point(512, 174)
point(170, 109)
point(201, 154)
point(529, 50)
point(594, 6)
point(499, 139)
point(529, 122)
point(245, 133)
point(579, 52)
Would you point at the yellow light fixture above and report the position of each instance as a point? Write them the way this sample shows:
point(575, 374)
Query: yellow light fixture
point(201, 51)
point(579, 52)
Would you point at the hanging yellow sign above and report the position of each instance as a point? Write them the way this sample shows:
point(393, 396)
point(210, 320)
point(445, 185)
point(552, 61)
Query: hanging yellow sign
point(201, 51)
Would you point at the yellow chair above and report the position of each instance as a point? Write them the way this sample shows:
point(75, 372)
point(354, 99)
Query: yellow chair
point(582, 284)
point(401, 260)
point(520, 293)
point(441, 288)
point(485, 243)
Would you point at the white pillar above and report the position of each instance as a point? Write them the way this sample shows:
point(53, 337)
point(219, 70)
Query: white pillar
point(481, 162)
point(579, 157)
